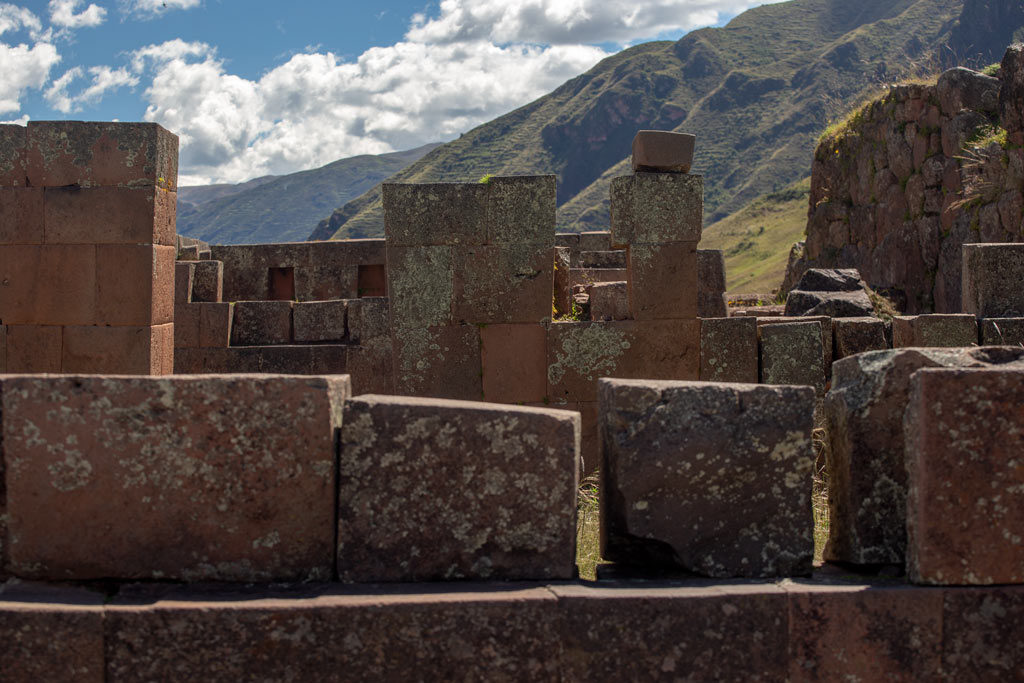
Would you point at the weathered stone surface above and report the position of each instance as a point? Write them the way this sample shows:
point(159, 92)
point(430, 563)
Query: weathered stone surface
point(521, 209)
point(184, 478)
point(325, 282)
point(767, 316)
point(867, 476)
point(13, 145)
point(3, 349)
point(1002, 331)
point(21, 212)
point(370, 366)
point(653, 208)
point(937, 329)
point(663, 151)
point(595, 240)
point(562, 300)
point(258, 323)
point(792, 353)
point(662, 280)
point(830, 280)
point(856, 335)
point(961, 88)
point(69, 297)
point(982, 634)
point(711, 284)
point(209, 281)
point(215, 323)
point(110, 215)
point(514, 363)
point(368, 319)
point(510, 283)
point(602, 259)
point(965, 498)
point(711, 478)
point(832, 304)
point(34, 348)
point(992, 274)
point(440, 362)
point(609, 301)
point(420, 280)
point(589, 276)
point(134, 284)
point(633, 633)
point(184, 278)
point(728, 350)
point(867, 633)
point(510, 515)
point(186, 326)
point(320, 321)
point(119, 349)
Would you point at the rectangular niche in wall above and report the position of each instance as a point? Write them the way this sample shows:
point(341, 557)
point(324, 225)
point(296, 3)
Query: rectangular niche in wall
point(281, 284)
point(372, 280)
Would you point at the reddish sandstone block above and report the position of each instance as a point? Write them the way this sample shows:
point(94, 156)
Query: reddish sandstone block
point(441, 362)
point(663, 280)
point(215, 324)
point(13, 145)
point(178, 478)
point(513, 358)
point(209, 281)
point(1002, 331)
point(609, 301)
point(868, 633)
point(991, 273)
point(728, 350)
point(187, 326)
point(711, 284)
point(372, 280)
point(135, 284)
point(92, 154)
point(982, 638)
point(655, 208)
point(934, 330)
point(329, 359)
point(189, 253)
point(562, 301)
point(319, 321)
point(48, 284)
point(33, 348)
point(470, 633)
point(368, 319)
point(189, 361)
point(710, 478)
point(124, 350)
point(510, 283)
point(401, 519)
point(965, 495)
point(663, 151)
point(108, 215)
point(370, 366)
point(324, 282)
point(21, 215)
point(632, 632)
point(857, 335)
point(258, 323)
point(184, 277)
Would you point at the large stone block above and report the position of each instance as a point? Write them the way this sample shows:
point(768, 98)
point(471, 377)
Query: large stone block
point(324, 282)
point(259, 323)
point(13, 146)
point(34, 348)
point(857, 335)
point(521, 209)
point(935, 329)
point(594, 240)
point(653, 208)
point(95, 154)
point(562, 299)
point(609, 301)
point(711, 284)
point(184, 478)
point(415, 633)
point(982, 636)
point(514, 363)
point(728, 350)
point(581, 352)
point(109, 215)
point(370, 366)
point(368, 319)
point(602, 259)
point(663, 151)
point(991, 277)
point(792, 353)
point(135, 284)
point(434, 214)
point(123, 350)
point(21, 214)
point(442, 362)
point(439, 490)
point(48, 284)
point(663, 280)
point(1002, 331)
point(184, 278)
point(633, 633)
point(826, 328)
point(590, 276)
point(965, 496)
point(209, 281)
point(320, 321)
point(186, 326)
point(708, 478)
point(867, 477)
point(420, 280)
point(215, 323)
point(510, 283)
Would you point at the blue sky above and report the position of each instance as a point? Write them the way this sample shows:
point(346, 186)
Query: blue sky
point(254, 87)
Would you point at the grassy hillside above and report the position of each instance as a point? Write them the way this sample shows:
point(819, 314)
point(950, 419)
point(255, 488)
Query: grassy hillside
point(284, 208)
point(756, 92)
point(757, 238)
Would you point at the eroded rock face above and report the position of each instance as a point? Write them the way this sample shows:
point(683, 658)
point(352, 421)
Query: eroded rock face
point(835, 292)
point(711, 478)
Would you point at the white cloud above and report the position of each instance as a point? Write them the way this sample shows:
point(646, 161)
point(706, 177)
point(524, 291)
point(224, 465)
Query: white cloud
point(62, 13)
point(23, 67)
point(13, 18)
point(152, 8)
point(104, 79)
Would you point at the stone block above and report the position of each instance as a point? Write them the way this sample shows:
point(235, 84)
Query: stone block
point(329, 359)
point(182, 479)
point(792, 353)
point(511, 514)
point(184, 278)
point(663, 280)
point(370, 367)
point(319, 321)
point(324, 282)
point(991, 277)
point(777, 318)
point(590, 437)
point(98, 154)
point(188, 253)
point(609, 301)
point(663, 151)
point(13, 146)
point(581, 352)
point(420, 280)
point(189, 361)
point(109, 215)
point(864, 421)
point(259, 323)
point(595, 240)
point(521, 210)
point(368, 319)
point(435, 214)
point(510, 283)
point(590, 276)
point(857, 335)
point(632, 632)
point(187, 326)
point(513, 359)
point(562, 300)
point(965, 496)
point(982, 637)
point(215, 324)
point(471, 633)
point(209, 281)
point(867, 633)
point(371, 280)
point(567, 240)
point(441, 362)
point(935, 329)
point(711, 284)
point(728, 350)
point(48, 284)
point(34, 348)
point(708, 478)
point(1002, 331)
point(832, 304)
point(602, 259)
point(135, 284)
point(653, 208)
point(21, 213)
point(121, 350)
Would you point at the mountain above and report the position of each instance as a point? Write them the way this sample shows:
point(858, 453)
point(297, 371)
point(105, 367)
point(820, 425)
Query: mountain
point(283, 208)
point(757, 92)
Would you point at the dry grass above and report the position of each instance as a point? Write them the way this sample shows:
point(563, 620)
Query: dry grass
point(588, 546)
point(819, 494)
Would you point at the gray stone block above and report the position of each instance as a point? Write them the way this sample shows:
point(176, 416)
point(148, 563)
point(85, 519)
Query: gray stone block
point(728, 350)
point(992, 277)
point(653, 208)
point(792, 353)
point(856, 335)
point(934, 329)
point(1002, 331)
point(259, 323)
point(320, 321)
point(208, 282)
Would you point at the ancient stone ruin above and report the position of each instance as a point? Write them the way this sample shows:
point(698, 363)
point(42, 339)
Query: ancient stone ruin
point(365, 464)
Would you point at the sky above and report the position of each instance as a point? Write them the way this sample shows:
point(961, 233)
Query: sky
point(257, 87)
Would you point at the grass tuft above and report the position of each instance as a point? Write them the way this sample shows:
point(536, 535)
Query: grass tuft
point(588, 545)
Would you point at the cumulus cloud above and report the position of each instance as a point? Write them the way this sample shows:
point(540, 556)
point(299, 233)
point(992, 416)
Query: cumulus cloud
point(23, 66)
point(13, 18)
point(104, 79)
point(62, 13)
point(152, 8)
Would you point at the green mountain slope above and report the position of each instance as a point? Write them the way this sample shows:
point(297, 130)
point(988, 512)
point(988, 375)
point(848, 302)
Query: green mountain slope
point(283, 208)
point(756, 92)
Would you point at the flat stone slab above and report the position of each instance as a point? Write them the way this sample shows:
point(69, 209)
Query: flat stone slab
point(320, 321)
point(857, 335)
point(992, 274)
point(433, 490)
point(711, 478)
point(260, 323)
point(1002, 331)
point(934, 329)
point(728, 350)
point(792, 353)
point(654, 208)
point(662, 150)
point(609, 301)
point(965, 500)
point(833, 304)
point(711, 284)
point(191, 478)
